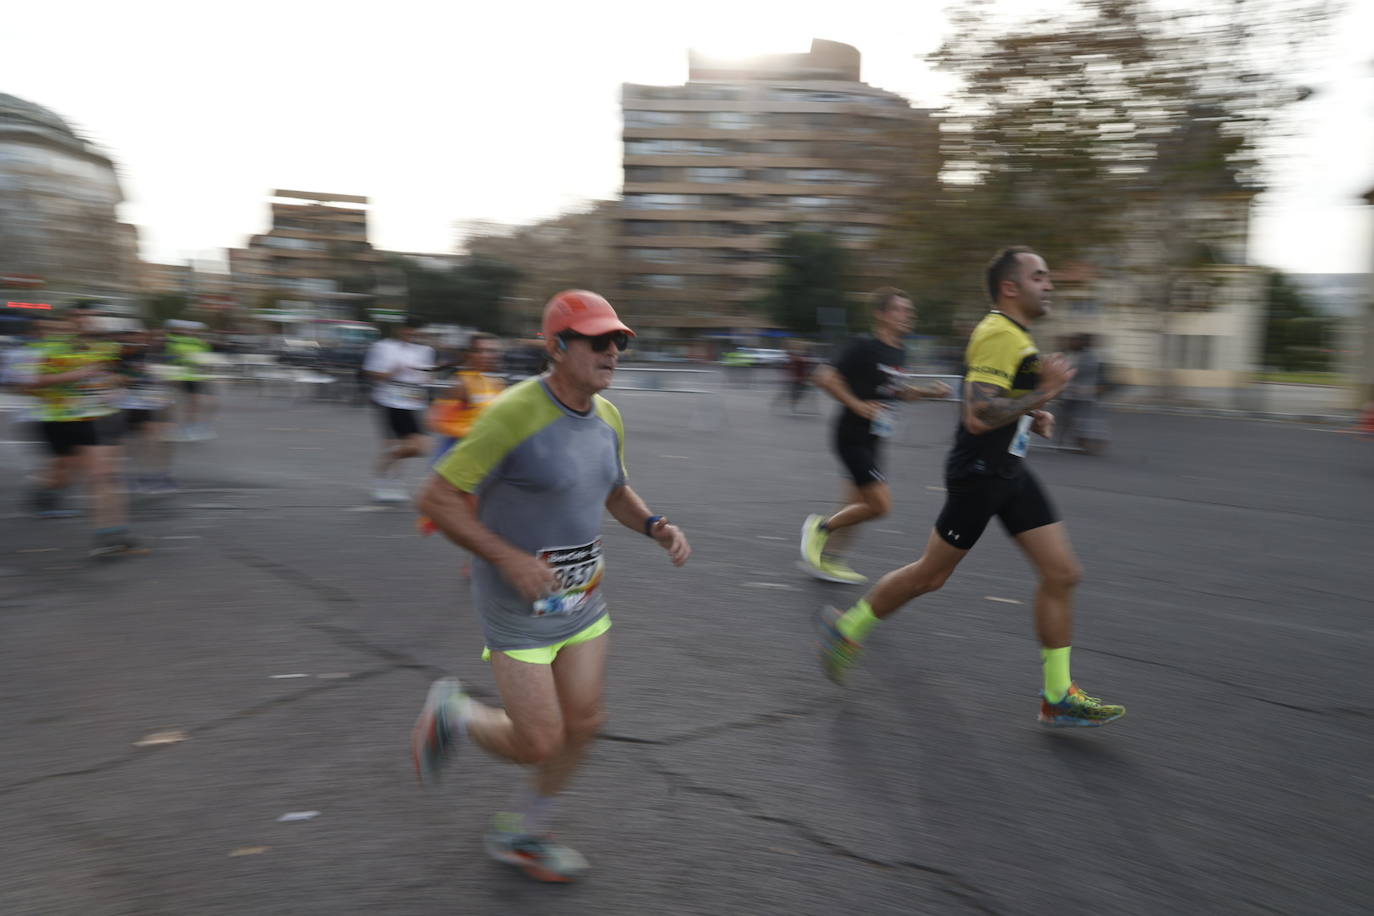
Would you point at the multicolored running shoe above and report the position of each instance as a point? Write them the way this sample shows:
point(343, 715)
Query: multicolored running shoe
point(539, 857)
point(838, 653)
point(1078, 710)
point(436, 733)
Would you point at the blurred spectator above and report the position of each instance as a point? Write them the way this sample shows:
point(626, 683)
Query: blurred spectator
point(796, 373)
point(1082, 421)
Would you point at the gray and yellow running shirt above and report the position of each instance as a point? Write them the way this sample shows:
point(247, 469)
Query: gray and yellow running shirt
point(541, 472)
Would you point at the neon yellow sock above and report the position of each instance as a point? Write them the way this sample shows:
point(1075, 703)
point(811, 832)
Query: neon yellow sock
point(857, 622)
point(1055, 663)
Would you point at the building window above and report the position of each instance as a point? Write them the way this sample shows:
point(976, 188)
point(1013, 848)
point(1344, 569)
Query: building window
point(661, 201)
point(650, 173)
point(653, 118)
point(654, 255)
point(642, 227)
point(781, 148)
point(729, 120)
point(1188, 351)
point(715, 175)
point(814, 203)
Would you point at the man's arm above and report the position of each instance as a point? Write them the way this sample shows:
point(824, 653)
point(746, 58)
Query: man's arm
point(833, 384)
point(452, 512)
point(988, 406)
point(627, 508)
point(39, 380)
point(921, 392)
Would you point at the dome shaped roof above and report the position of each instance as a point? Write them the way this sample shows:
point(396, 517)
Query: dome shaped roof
point(18, 109)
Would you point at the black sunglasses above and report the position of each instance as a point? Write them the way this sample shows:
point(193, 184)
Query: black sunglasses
point(600, 343)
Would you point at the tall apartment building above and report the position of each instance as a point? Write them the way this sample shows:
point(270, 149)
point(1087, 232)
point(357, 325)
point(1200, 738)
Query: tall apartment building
point(316, 252)
point(718, 168)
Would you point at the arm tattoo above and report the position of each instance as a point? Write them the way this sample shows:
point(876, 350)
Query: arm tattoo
point(990, 404)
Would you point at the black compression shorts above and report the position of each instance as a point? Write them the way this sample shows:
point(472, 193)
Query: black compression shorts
point(859, 455)
point(970, 503)
point(400, 424)
point(64, 437)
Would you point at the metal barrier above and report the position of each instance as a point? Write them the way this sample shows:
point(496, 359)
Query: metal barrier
point(955, 382)
point(710, 408)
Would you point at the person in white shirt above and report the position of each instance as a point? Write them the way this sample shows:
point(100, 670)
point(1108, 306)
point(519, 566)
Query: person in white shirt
point(399, 370)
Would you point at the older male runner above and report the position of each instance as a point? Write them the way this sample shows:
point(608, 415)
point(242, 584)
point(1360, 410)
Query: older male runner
point(525, 491)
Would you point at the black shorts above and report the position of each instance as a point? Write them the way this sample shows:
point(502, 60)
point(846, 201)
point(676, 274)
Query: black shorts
point(971, 502)
point(64, 437)
point(400, 424)
point(191, 386)
point(136, 417)
point(859, 455)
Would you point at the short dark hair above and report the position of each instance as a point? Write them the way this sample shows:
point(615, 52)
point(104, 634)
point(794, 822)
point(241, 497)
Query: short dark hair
point(1003, 267)
point(479, 336)
point(413, 322)
point(882, 297)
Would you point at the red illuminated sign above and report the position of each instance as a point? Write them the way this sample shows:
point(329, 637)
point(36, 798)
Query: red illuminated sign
point(27, 305)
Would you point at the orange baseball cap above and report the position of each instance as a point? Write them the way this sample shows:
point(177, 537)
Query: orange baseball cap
point(582, 311)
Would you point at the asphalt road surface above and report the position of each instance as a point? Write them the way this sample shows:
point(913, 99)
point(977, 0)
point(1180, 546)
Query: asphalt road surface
point(277, 643)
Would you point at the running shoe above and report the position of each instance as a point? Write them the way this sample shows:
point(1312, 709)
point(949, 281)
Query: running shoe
point(48, 504)
point(1078, 710)
point(160, 484)
point(834, 569)
point(115, 543)
point(539, 857)
point(436, 733)
point(813, 542)
point(838, 653)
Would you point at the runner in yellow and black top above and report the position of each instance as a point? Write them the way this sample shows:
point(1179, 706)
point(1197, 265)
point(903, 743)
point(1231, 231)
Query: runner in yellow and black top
point(526, 492)
point(75, 383)
point(1006, 385)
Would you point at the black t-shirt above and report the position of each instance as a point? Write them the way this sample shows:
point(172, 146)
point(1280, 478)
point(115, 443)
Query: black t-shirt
point(873, 371)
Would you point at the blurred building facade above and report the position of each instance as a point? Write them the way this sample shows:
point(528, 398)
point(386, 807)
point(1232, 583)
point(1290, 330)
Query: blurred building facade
point(1176, 309)
point(60, 230)
point(316, 256)
point(717, 169)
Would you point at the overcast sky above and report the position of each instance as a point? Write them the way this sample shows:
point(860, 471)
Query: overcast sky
point(510, 111)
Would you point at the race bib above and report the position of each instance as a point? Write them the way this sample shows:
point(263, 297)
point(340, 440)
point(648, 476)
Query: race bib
point(884, 423)
point(1021, 441)
point(579, 571)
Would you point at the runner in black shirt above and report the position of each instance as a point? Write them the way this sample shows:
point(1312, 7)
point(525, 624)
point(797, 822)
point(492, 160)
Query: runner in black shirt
point(1006, 387)
point(863, 378)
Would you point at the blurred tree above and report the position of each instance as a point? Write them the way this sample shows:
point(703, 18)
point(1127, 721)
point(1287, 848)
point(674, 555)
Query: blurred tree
point(1296, 335)
point(164, 307)
point(812, 274)
point(483, 285)
point(468, 294)
point(1103, 125)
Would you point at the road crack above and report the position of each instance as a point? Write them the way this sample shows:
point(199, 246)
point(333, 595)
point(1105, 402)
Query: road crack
point(949, 882)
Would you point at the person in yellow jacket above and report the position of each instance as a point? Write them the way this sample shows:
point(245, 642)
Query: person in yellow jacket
point(474, 387)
